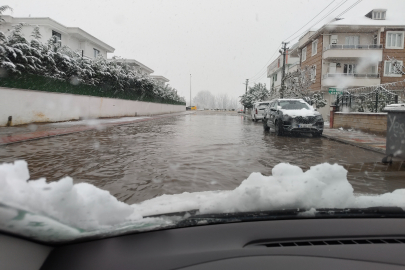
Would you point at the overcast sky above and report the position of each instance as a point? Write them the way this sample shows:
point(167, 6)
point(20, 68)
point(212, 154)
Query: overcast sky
point(220, 42)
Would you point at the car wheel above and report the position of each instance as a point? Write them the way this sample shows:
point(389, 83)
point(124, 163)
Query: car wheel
point(265, 126)
point(279, 128)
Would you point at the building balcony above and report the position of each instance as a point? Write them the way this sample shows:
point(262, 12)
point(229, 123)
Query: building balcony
point(343, 80)
point(334, 51)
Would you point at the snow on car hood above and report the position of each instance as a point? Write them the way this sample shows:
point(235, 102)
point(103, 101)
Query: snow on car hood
point(63, 211)
point(302, 112)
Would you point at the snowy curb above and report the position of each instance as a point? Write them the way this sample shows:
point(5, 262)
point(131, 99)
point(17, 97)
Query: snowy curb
point(381, 151)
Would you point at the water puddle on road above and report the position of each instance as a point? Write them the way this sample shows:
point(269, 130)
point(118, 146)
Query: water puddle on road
point(197, 152)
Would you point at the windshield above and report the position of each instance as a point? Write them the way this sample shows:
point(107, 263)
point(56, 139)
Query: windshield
point(293, 105)
point(143, 115)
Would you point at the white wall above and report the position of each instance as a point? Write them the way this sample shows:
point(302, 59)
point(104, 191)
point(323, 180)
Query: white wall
point(28, 106)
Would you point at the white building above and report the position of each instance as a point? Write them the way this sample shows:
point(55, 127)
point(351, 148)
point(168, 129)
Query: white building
point(274, 70)
point(137, 66)
point(162, 80)
point(73, 37)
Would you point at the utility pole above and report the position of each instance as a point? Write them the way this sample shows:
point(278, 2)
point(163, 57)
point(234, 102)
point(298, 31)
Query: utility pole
point(244, 107)
point(283, 52)
point(190, 91)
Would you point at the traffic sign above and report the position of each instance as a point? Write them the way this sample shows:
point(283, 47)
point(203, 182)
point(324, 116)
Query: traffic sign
point(335, 91)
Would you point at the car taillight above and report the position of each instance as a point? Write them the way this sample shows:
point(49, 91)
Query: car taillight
point(256, 111)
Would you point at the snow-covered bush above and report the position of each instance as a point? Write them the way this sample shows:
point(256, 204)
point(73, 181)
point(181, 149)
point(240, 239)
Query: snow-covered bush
point(18, 56)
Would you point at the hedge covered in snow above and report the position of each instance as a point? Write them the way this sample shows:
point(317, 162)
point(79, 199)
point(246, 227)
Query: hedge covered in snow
point(51, 67)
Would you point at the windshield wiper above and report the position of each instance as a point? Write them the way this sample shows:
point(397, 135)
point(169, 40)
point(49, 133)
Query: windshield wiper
point(193, 218)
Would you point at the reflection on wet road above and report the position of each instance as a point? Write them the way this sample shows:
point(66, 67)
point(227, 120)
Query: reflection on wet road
point(197, 152)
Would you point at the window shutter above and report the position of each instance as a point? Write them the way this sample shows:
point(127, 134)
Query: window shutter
point(399, 40)
point(387, 67)
point(356, 40)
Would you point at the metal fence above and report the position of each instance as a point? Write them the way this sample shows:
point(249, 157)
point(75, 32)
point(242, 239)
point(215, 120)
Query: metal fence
point(371, 98)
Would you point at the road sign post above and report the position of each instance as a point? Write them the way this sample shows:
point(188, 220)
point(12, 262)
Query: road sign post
point(335, 91)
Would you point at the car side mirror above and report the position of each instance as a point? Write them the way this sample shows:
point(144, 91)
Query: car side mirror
point(273, 109)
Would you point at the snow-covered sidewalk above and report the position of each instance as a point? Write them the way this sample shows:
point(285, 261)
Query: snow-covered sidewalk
point(357, 138)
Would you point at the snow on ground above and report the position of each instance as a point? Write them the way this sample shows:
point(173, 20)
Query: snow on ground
point(64, 211)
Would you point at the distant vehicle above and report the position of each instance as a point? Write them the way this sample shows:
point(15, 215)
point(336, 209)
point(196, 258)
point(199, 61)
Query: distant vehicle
point(258, 110)
point(192, 108)
point(292, 116)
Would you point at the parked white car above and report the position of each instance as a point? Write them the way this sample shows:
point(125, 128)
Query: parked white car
point(257, 112)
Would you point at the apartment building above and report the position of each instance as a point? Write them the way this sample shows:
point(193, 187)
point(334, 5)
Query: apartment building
point(274, 70)
point(73, 37)
point(352, 52)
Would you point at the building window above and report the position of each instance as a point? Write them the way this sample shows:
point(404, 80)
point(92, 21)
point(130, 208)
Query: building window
point(313, 73)
point(395, 40)
point(349, 68)
point(314, 47)
point(379, 15)
point(304, 54)
point(390, 70)
point(96, 52)
point(57, 35)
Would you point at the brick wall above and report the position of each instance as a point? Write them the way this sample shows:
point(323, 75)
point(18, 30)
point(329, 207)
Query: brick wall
point(315, 60)
point(375, 123)
point(398, 54)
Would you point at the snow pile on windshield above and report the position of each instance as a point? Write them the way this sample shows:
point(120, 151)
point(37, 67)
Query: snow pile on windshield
point(80, 205)
point(67, 211)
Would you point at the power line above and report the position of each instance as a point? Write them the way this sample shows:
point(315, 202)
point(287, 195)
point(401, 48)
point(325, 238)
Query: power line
point(262, 73)
point(271, 59)
point(352, 6)
point(311, 19)
point(323, 17)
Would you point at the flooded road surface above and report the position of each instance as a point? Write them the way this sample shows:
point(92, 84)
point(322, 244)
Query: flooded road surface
point(196, 152)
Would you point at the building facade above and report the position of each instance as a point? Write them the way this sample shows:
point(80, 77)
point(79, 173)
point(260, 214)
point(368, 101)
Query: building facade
point(73, 37)
point(353, 52)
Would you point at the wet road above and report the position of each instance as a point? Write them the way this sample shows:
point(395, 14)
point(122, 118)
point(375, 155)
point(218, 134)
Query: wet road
point(197, 152)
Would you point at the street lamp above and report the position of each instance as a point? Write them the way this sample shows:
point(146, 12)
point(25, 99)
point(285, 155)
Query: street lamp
point(190, 91)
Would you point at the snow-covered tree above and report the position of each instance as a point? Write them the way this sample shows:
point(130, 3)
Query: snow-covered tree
point(258, 92)
point(298, 85)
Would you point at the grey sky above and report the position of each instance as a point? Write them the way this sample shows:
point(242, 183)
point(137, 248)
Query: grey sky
point(221, 43)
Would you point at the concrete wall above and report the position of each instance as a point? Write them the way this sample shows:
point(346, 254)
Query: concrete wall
point(28, 106)
point(367, 122)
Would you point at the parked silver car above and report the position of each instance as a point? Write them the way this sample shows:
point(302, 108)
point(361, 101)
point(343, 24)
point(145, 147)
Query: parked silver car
point(258, 110)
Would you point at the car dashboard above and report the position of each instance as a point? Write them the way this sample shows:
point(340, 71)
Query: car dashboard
point(367, 243)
